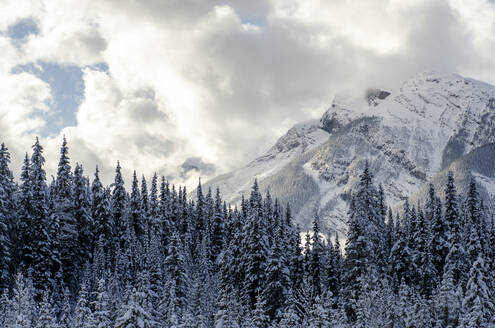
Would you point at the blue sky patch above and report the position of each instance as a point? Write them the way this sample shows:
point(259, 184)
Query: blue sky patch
point(21, 30)
point(67, 86)
point(253, 20)
point(100, 67)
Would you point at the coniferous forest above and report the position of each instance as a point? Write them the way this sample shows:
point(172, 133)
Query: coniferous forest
point(74, 253)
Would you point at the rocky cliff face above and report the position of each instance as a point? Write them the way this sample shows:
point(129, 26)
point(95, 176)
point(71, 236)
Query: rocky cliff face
point(433, 123)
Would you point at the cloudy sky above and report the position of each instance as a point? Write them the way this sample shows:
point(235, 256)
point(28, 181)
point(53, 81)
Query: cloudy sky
point(174, 85)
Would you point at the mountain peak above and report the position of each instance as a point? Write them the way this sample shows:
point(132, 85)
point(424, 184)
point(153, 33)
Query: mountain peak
point(409, 136)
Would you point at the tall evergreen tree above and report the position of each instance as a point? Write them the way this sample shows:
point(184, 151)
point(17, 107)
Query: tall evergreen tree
point(119, 200)
point(217, 230)
point(63, 212)
point(25, 242)
point(477, 305)
point(177, 276)
point(63, 182)
point(316, 259)
point(101, 306)
point(424, 274)
point(23, 303)
point(43, 263)
point(255, 249)
point(83, 315)
point(7, 210)
point(82, 214)
point(447, 301)
point(46, 316)
point(439, 231)
point(364, 240)
point(134, 312)
point(277, 279)
point(475, 224)
point(136, 219)
point(101, 214)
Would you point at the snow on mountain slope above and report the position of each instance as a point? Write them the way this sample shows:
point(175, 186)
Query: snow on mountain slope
point(409, 137)
point(299, 139)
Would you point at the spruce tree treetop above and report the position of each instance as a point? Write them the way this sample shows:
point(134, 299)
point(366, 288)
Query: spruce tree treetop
point(63, 182)
point(452, 208)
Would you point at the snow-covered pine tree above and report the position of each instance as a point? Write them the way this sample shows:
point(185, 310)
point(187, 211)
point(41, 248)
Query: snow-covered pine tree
point(65, 311)
point(439, 231)
point(101, 214)
point(145, 207)
point(217, 227)
point(165, 214)
point(390, 239)
point(64, 175)
point(447, 301)
point(46, 317)
point(83, 315)
point(372, 305)
point(23, 304)
point(197, 313)
point(258, 317)
point(228, 314)
point(134, 313)
point(289, 314)
point(333, 267)
point(295, 257)
point(316, 259)
point(101, 306)
point(400, 256)
point(277, 278)
point(198, 221)
point(319, 316)
point(136, 218)
point(63, 212)
point(177, 278)
point(424, 274)
point(423, 312)
point(7, 319)
point(119, 200)
point(154, 265)
point(307, 253)
point(457, 258)
point(477, 307)
point(475, 224)
point(25, 240)
point(452, 218)
point(404, 306)
point(41, 257)
point(154, 202)
point(255, 250)
point(82, 215)
point(7, 211)
point(365, 240)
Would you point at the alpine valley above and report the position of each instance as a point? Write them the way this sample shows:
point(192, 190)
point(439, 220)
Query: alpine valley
point(434, 123)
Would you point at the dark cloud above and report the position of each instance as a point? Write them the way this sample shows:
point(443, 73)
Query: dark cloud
point(196, 164)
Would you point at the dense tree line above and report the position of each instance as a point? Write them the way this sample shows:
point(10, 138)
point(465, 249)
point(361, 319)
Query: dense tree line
point(74, 253)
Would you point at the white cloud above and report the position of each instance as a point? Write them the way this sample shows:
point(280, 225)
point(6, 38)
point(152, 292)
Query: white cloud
point(23, 98)
point(219, 81)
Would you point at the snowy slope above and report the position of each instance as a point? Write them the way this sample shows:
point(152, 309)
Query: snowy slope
point(409, 136)
point(298, 140)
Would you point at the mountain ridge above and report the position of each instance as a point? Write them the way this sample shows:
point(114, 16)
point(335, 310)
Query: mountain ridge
point(409, 136)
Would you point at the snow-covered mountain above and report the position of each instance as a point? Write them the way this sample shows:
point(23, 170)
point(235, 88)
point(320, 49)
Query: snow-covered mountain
point(434, 123)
